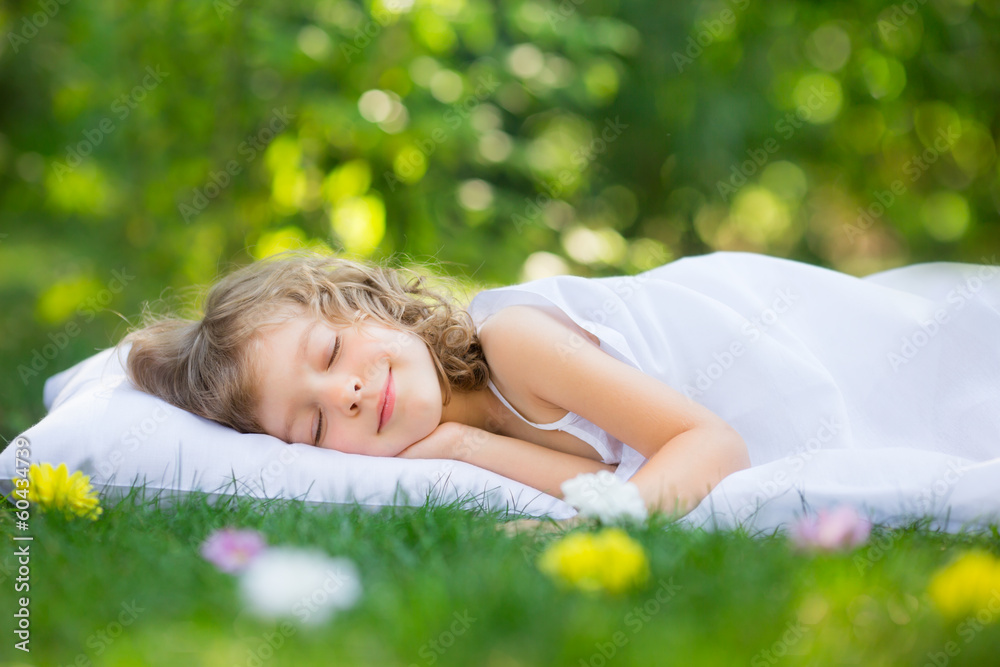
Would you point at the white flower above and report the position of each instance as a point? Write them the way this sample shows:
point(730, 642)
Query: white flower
point(304, 583)
point(604, 496)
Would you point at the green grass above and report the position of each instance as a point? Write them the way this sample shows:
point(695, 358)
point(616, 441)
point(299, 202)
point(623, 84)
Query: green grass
point(734, 596)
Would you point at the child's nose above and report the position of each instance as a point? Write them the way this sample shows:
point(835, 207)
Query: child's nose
point(350, 394)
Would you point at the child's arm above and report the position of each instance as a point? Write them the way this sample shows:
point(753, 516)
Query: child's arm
point(537, 466)
point(687, 468)
point(688, 448)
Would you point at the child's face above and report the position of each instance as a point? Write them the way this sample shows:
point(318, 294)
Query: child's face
point(296, 386)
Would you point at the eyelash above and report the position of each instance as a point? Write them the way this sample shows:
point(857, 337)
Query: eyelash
point(319, 426)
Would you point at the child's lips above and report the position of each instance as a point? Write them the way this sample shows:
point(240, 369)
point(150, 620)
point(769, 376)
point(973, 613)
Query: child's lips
point(388, 401)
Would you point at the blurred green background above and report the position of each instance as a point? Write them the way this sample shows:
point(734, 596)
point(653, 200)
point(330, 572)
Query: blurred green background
point(147, 147)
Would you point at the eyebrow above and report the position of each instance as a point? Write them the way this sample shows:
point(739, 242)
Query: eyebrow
point(303, 344)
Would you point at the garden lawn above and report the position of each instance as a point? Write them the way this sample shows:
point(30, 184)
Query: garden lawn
point(442, 586)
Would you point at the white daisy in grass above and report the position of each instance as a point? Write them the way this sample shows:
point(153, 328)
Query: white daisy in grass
point(304, 584)
point(604, 496)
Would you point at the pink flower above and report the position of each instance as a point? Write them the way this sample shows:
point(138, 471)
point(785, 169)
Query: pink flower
point(231, 550)
point(831, 529)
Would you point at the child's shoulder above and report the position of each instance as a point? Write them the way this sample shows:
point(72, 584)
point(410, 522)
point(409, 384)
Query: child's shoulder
point(521, 342)
point(517, 322)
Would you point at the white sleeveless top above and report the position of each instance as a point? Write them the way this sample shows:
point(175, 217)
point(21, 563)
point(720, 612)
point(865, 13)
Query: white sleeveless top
point(796, 357)
point(609, 447)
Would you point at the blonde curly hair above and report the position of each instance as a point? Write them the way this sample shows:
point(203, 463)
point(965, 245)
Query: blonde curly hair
point(207, 366)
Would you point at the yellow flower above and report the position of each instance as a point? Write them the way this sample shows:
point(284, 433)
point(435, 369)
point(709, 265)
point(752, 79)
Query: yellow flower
point(609, 560)
point(968, 584)
point(54, 488)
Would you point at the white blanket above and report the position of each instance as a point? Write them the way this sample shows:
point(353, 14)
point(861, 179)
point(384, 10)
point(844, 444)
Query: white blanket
point(893, 486)
point(882, 392)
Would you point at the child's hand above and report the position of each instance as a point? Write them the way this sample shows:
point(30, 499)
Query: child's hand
point(547, 525)
point(442, 443)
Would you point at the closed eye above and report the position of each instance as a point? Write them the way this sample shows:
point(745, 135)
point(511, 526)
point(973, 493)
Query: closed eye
point(319, 426)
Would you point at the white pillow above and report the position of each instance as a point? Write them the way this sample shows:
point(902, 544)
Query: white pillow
point(121, 437)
